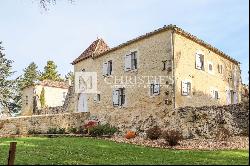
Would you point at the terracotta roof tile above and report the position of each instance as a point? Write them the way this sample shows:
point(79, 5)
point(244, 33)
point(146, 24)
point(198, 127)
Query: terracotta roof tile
point(97, 47)
point(56, 84)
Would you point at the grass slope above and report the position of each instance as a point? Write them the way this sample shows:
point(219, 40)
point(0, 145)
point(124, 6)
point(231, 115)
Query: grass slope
point(62, 150)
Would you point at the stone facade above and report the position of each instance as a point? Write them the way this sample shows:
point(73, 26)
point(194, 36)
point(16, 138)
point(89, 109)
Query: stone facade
point(55, 94)
point(176, 49)
point(204, 82)
point(41, 123)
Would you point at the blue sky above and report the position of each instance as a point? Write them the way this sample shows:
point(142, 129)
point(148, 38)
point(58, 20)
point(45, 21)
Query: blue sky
point(61, 34)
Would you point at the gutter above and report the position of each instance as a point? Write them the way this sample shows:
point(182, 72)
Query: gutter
point(173, 68)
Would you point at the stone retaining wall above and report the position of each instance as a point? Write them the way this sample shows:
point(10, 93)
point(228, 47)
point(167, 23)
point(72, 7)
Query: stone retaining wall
point(193, 122)
point(41, 123)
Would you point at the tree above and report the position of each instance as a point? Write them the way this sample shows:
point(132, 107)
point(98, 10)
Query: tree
point(42, 98)
point(70, 76)
point(30, 76)
point(50, 72)
point(45, 3)
point(7, 86)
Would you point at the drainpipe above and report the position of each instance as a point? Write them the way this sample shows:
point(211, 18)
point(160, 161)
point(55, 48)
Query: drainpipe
point(173, 67)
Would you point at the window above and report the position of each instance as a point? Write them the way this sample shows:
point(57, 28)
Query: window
point(107, 68)
point(210, 67)
point(186, 88)
point(119, 97)
point(131, 62)
point(154, 89)
point(215, 94)
point(199, 62)
point(220, 68)
point(26, 100)
point(97, 98)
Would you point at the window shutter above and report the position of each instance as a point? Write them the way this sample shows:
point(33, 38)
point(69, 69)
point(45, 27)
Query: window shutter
point(127, 62)
point(95, 98)
point(109, 68)
point(156, 89)
point(105, 69)
point(115, 97)
point(218, 95)
point(198, 63)
point(151, 89)
point(184, 88)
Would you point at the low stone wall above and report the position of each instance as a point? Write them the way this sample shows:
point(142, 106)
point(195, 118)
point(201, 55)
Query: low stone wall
point(50, 110)
point(41, 123)
point(193, 122)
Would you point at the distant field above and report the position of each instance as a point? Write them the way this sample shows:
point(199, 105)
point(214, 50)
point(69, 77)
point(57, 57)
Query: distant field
point(65, 150)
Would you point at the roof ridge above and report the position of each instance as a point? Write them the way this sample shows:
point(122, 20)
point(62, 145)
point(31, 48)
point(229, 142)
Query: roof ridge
point(176, 29)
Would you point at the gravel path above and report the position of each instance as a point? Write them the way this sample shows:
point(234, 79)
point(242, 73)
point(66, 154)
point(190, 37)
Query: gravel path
point(236, 142)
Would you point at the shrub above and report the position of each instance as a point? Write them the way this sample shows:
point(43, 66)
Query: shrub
point(101, 130)
point(52, 131)
point(81, 130)
point(61, 131)
point(90, 124)
point(18, 131)
point(32, 131)
point(172, 137)
point(130, 134)
point(154, 133)
point(72, 130)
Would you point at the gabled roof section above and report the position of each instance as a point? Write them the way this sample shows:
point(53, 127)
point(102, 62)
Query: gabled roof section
point(97, 47)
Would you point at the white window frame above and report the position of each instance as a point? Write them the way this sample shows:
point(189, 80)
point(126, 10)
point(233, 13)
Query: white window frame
point(188, 91)
point(213, 93)
point(199, 54)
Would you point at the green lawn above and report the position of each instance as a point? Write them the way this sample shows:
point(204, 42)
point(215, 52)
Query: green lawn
point(66, 150)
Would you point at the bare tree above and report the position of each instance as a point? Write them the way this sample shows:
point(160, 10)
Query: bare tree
point(45, 3)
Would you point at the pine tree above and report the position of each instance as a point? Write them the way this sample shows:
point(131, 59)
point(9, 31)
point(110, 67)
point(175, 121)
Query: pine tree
point(7, 86)
point(50, 72)
point(30, 76)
